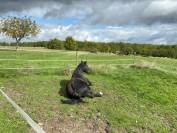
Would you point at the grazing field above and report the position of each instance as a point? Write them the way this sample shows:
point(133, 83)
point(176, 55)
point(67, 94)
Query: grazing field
point(10, 120)
point(140, 93)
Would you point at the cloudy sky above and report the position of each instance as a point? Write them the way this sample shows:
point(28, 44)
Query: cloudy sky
point(140, 21)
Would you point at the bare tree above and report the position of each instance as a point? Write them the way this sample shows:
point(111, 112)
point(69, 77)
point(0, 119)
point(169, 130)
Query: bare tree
point(18, 28)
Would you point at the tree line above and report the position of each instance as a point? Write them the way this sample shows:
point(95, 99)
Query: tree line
point(110, 47)
point(19, 28)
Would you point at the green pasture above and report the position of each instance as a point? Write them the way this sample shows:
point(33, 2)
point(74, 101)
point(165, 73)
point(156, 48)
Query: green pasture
point(140, 93)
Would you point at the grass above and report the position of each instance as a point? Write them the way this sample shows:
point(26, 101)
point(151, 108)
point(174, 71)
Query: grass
point(10, 120)
point(135, 99)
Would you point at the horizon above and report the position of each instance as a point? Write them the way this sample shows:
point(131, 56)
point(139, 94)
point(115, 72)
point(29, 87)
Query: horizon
point(128, 21)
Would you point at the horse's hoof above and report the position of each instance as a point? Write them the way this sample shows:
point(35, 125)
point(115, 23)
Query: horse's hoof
point(99, 94)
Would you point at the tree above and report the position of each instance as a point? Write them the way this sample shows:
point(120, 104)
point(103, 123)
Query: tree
point(55, 44)
point(18, 28)
point(71, 44)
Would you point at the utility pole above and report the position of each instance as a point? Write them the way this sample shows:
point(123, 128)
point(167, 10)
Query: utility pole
point(134, 57)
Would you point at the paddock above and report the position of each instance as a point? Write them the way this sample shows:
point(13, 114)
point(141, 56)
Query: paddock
point(32, 78)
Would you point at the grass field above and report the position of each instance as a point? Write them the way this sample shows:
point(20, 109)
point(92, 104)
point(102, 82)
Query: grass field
point(10, 120)
point(140, 93)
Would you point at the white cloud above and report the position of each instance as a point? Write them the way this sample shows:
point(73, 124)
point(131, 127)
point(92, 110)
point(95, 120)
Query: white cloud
point(141, 21)
point(36, 11)
point(157, 34)
point(160, 8)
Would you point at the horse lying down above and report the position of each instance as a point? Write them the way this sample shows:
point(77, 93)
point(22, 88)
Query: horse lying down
point(79, 86)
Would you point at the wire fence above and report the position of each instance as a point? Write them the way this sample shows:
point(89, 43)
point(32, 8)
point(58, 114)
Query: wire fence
point(132, 61)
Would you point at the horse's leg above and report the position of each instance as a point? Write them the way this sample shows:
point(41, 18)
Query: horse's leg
point(87, 81)
point(72, 91)
point(87, 92)
point(84, 80)
point(72, 101)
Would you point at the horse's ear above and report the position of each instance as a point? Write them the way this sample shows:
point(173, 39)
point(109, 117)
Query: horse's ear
point(85, 62)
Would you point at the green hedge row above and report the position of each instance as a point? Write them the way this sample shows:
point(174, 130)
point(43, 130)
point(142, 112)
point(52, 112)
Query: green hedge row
point(111, 47)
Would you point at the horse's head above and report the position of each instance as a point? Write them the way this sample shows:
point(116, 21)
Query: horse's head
point(84, 67)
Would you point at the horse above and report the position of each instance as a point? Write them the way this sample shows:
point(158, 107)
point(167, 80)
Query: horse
point(79, 86)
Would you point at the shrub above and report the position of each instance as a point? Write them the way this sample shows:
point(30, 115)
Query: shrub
point(55, 44)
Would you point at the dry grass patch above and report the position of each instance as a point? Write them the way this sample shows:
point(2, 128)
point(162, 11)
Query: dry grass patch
point(70, 124)
point(143, 65)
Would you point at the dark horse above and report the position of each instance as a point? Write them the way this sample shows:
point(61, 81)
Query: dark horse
point(79, 86)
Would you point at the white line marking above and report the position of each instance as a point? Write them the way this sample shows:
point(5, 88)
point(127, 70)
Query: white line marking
point(33, 124)
point(44, 50)
point(39, 68)
point(60, 60)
